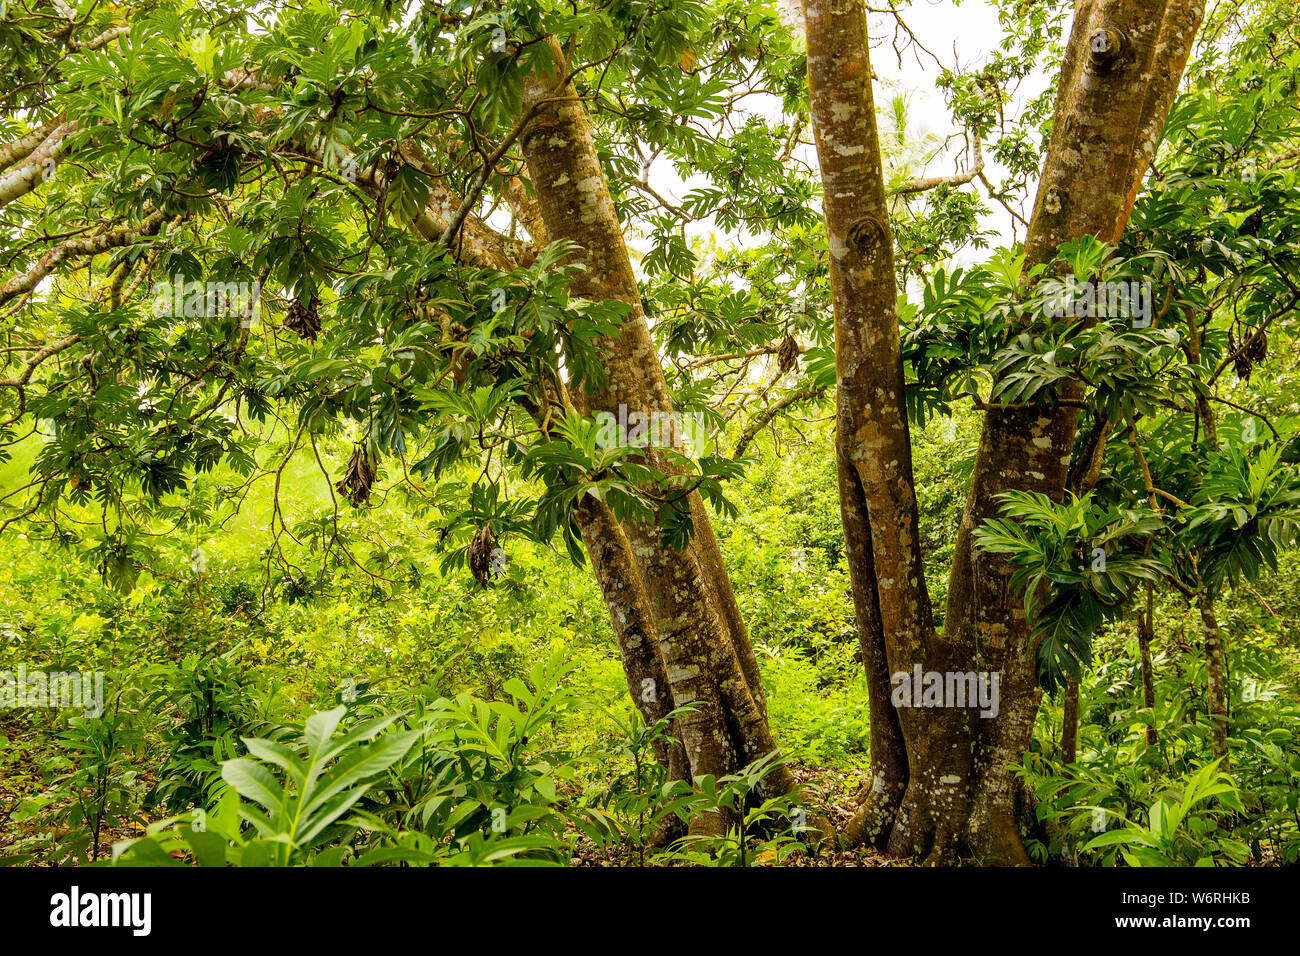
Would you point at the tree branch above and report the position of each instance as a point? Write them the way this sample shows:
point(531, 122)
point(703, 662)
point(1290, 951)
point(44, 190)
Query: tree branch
point(921, 185)
point(38, 165)
point(766, 415)
point(76, 248)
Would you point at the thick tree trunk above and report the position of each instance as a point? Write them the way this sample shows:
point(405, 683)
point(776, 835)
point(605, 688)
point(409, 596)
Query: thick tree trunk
point(959, 794)
point(874, 455)
point(634, 627)
point(1107, 100)
point(705, 652)
point(1110, 97)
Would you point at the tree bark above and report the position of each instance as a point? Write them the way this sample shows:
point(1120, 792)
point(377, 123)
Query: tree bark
point(1146, 631)
point(634, 627)
point(1070, 723)
point(874, 458)
point(1215, 676)
point(707, 658)
point(959, 795)
point(1107, 99)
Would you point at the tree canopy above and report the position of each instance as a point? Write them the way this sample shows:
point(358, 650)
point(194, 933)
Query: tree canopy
point(382, 384)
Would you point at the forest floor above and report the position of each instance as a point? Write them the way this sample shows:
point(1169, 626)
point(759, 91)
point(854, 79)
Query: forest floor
point(830, 788)
point(833, 789)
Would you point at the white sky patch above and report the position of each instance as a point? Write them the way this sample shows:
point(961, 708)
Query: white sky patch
point(960, 36)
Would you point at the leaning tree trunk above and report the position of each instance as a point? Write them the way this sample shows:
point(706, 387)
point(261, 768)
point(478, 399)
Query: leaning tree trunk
point(1121, 69)
point(634, 626)
point(705, 652)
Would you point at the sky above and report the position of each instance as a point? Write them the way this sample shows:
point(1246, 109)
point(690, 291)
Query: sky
point(960, 36)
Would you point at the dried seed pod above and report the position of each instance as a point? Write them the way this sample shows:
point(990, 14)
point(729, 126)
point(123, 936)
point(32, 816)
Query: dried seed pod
point(360, 476)
point(1241, 361)
point(1257, 347)
point(1243, 367)
point(305, 320)
point(787, 354)
point(480, 554)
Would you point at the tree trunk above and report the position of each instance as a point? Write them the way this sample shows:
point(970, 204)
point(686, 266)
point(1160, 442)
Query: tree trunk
point(1070, 723)
point(705, 652)
point(634, 627)
point(1146, 631)
point(874, 822)
point(874, 457)
point(1108, 97)
point(1216, 685)
point(1216, 689)
point(958, 794)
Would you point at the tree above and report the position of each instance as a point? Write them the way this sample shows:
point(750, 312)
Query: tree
point(699, 637)
point(342, 168)
point(940, 778)
point(438, 237)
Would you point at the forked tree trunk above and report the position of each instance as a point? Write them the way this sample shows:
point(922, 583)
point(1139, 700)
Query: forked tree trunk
point(912, 805)
point(1123, 65)
point(634, 627)
point(954, 792)
point(706, 656)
